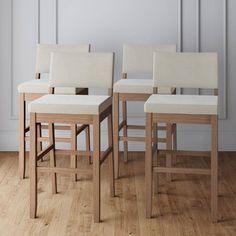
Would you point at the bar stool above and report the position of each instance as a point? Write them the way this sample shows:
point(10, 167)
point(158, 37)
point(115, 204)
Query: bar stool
point(137, 60)
point(90, 70)
point(36, 88)
point(183, 70)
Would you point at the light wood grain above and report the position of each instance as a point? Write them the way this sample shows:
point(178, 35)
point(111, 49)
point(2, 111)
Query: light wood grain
point(214, 168)
point(181, 208)
point(96, 169)
point(213, 171)
point(74, 147)
point(27, 97)
point(33, 166)
point(22, 131)
point(148, 165)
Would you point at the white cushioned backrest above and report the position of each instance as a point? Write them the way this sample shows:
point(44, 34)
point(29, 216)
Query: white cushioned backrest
point(81, 70)
point(185, 70)
point(44, 53)
point(138, 58)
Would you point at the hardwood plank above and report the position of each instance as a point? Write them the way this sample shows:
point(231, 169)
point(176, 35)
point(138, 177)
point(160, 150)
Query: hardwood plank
point(182, 206)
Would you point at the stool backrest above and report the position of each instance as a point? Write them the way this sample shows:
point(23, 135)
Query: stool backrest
point(81, 70)
point(185, 70)
point(138, 58)
point(44, 53)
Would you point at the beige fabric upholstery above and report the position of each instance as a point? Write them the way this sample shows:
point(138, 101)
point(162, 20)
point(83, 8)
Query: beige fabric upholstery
point(138, 58)
point(42, 86)
point(185, 70)
point(182, 104)
point(81, 70)
point(44, 53)
point(70, 104)
point(141, 86)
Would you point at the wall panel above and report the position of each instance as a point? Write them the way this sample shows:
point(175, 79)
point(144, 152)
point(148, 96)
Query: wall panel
point(194, 25)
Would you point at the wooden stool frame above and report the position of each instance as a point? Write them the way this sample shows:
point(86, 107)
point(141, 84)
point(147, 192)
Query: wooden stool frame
point(98, 157)
point(212, 120)
point(42, 66)
point(24, 129)
point(83, 74)
point(170, 140)
point(188, 70)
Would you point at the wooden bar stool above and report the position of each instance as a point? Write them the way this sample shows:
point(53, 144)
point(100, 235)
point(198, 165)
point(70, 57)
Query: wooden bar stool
point(36, 88)
point(137, 60)
point(183, 70)
point(90, 70)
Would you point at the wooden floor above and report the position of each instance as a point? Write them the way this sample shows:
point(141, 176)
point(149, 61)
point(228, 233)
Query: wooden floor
point(181, 208)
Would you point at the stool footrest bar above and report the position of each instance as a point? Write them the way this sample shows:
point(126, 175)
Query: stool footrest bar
point(185, 153)
point(45, 151)
point(105, 154)
point(182, 170)
point(64, 170)
point(139, 139)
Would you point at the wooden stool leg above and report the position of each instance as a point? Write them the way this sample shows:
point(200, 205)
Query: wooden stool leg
point(214, 168)
point(174, 127)
point(22, 119)
point(52, 157)
point(111, 156)
point(87, 134)
point(96, 168)
point(148, 165)
point(116, 134)
point(33, 166)
point(169, 147)
point(155, 143)
point(125, 134)
point(39, 143)
point(74, 147)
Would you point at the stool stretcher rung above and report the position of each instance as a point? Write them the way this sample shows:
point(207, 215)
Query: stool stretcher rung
point(141, 127)
point(182, 170)
point(57, 127)
point(105, 154)
point(27, 129)
point(185, 153)
point(73, 152)
point(138, 127)
point(66, 127)
point(45, 151)
point(46, 139)
point(139, 139)
point(122, 124)
point(64, 170)
point(81, 128)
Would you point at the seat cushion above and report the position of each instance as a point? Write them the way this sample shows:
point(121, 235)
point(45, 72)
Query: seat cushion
point(42, 86)
point(70, 104)
point(182, 104)
point(144, 86)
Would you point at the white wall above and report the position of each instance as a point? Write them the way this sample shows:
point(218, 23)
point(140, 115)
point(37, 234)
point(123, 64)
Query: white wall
point(192, 24)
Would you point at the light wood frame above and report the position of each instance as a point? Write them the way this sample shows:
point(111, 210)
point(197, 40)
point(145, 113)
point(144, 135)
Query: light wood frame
point(73, 119)
point(98, 156)
point(171, 137)
point(154, 118)
point(24, 129)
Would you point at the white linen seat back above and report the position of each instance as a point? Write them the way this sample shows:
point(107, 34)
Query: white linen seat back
point(185, 70)
point(138, 58)
point(44, 53)
point(84, 70)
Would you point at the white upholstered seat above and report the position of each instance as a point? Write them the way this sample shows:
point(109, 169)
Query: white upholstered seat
point(182, 104)
point(70, 104)
point(137, 86)
point(42, 86)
